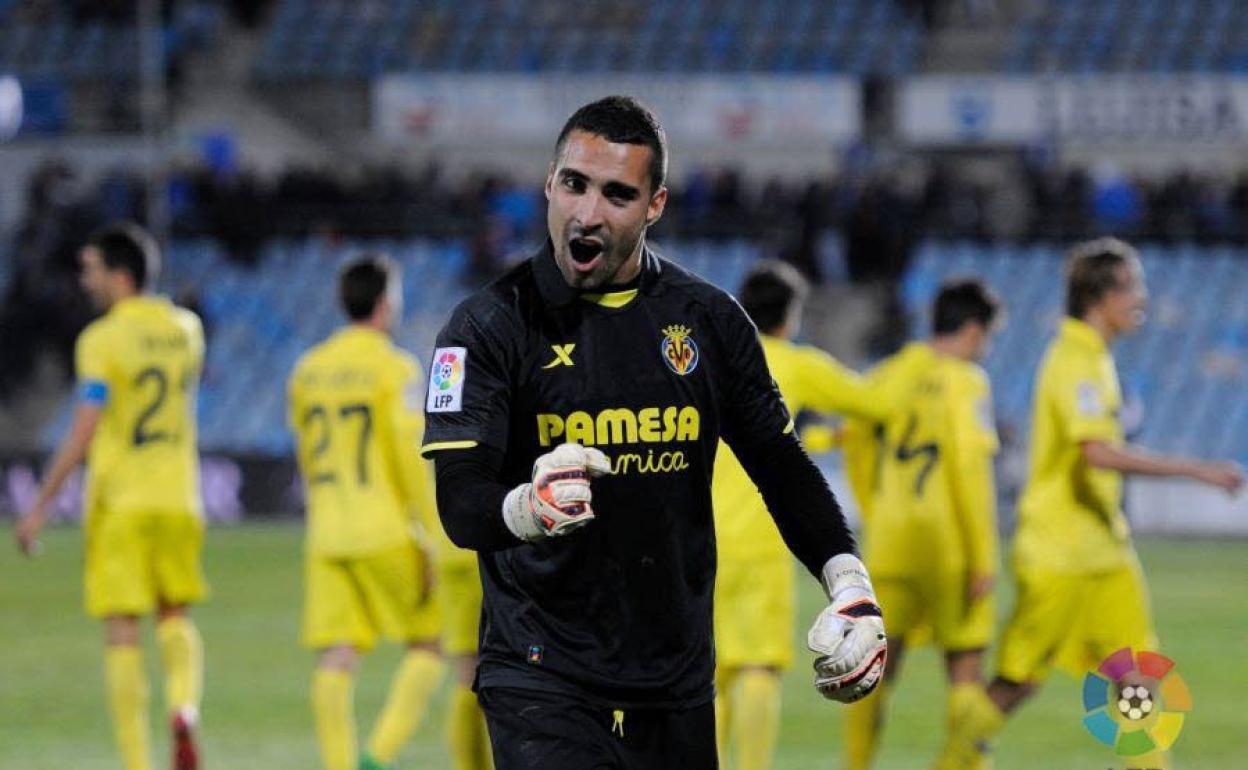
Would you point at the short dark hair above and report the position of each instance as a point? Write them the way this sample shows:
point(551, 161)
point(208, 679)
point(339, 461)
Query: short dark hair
point(127, 246)
point(770, 293)
point(1092, 272)
point(363, 282)
point(963, 301)
point(622, 120)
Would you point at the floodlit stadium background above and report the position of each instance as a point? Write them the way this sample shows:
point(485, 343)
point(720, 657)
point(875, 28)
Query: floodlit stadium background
point(881, 145)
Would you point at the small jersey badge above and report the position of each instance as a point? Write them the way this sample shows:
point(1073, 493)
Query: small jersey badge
point(678, 349)
point(1088, 400)
point(536, 654)
point(446, 380)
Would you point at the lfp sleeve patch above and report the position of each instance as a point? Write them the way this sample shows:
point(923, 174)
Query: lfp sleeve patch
point(446, 380)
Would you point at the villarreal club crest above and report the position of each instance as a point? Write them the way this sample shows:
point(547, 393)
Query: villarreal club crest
point(678, 349)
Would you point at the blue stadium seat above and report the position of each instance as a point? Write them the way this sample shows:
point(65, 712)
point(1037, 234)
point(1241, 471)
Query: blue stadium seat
point(1114, 35)
point(334, 40)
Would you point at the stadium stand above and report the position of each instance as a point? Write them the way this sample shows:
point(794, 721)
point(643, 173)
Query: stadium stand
point(1192, 355)
point(259, 320)
point(1169, 36)
point(318, 39)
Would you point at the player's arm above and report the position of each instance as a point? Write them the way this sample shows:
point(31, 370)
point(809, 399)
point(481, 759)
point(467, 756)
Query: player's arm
point(1084, 408)
point(974, 488)
point(69, 454)
point(848, 636)
point(467, 423)
point(1133, 460)
point(830, 386)
point(91, 368)
point(400, 426)
point(400, 415)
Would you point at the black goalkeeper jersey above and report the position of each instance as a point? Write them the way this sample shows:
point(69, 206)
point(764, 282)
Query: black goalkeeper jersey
point(619, 611)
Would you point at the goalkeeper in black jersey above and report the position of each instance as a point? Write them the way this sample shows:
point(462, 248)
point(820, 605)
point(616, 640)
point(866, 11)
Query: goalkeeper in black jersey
point(599, 369)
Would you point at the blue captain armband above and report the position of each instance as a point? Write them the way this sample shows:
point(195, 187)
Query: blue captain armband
point(93, 392)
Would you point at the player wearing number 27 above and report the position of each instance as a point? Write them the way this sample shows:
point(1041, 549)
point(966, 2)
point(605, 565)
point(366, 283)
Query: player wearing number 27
point(355, 404)
point(138, 369)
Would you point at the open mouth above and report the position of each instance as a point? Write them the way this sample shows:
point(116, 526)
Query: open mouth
point(585, 252)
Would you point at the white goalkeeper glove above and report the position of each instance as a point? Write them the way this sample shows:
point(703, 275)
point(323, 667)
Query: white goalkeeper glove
point(848, 636)
point(556, 501)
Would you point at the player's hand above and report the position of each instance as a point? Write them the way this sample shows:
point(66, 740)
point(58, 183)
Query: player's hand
point(557, 500)
point(848, 636)
point(428, 575)
point(27, 531)
point(1226, 476)
point(979, 586)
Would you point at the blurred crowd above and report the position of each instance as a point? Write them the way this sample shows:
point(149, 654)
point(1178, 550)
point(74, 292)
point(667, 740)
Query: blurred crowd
point(887, 205)
point(880, 215)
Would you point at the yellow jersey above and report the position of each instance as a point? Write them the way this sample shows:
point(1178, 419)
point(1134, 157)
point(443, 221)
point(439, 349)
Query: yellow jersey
point(862, 440)
point(933, 505)
point(141, 363)
point(355, 406)
point(809, 379)
point(1070, 514)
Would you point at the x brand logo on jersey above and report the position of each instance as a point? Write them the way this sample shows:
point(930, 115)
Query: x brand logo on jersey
point(563, 355)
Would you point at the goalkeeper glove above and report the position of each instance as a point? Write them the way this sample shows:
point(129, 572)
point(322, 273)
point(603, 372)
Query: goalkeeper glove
point(848, 636)
point(556, 501)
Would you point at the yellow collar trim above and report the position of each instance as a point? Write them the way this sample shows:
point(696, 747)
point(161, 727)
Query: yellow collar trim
point(612, 299)
point(1083, 333)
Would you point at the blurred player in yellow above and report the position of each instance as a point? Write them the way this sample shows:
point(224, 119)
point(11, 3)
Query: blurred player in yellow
point(356, 408)
point(754, 587)
point(931, 531)
point(1081, 593)
point(138, 371)
point(459, 596)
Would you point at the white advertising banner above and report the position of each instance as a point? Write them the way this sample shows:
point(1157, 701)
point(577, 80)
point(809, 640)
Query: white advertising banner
point(1083, 110)
point(1142, 109)
point(1166, 506)
point(764, 111)
point(969, 110)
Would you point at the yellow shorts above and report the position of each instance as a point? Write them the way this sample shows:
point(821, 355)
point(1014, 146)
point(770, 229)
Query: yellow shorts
point(135, 562)
point(459, 594)
point(353, 600)
point(754, 605)
point(935, 602)
point(1073, 621)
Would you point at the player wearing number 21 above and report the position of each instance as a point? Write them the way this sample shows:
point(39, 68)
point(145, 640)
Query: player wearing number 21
point(356, 406)
point(138, 369)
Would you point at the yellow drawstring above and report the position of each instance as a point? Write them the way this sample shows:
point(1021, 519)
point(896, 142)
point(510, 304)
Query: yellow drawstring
point(618, 724)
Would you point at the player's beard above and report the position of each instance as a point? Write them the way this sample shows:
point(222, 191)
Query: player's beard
point(608, 256)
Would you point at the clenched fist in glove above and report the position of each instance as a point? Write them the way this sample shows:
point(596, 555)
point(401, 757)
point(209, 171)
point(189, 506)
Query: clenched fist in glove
point(556, 501)
point(848, 636)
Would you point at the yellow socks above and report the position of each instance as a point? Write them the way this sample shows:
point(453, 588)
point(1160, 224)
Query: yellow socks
point(725, 681)
point(862, 729)
point(756, 719)
point(466, 735)
point(128, 699)
point(972, 721)
point(182, 653)
point(333, 707)
point(747, 715)
point(410, 689)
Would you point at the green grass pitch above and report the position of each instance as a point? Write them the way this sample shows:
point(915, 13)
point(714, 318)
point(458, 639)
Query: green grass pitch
point(256, 714)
